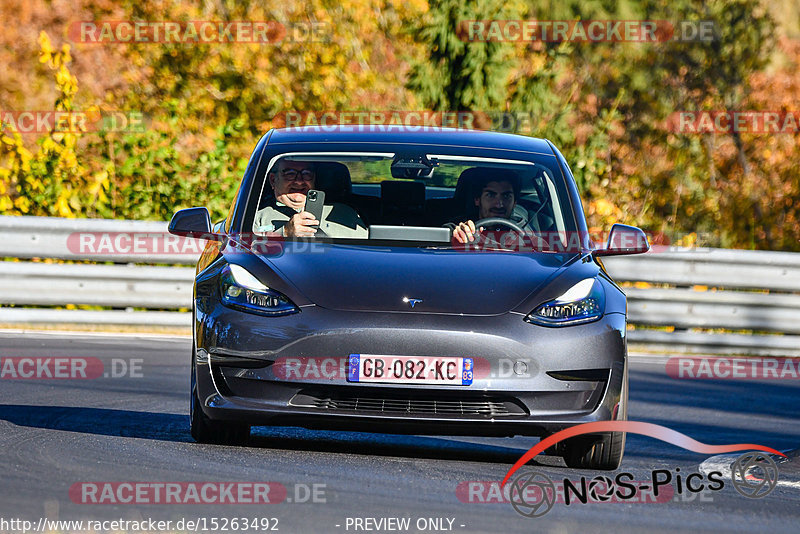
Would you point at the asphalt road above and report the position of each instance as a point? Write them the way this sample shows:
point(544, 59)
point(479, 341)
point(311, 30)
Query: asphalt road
point(59, 434)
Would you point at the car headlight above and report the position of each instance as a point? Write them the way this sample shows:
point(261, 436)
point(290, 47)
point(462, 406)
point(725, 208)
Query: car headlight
point(582, 303)
point(243, 291)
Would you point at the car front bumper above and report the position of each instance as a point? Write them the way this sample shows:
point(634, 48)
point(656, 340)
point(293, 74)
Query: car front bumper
point(292, 371)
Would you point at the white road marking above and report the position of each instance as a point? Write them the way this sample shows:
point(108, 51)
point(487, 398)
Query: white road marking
point(78, 333)
point(722, 463)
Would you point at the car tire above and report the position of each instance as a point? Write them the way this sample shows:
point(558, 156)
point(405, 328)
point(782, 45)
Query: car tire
point(205, 430)
point(599, 451)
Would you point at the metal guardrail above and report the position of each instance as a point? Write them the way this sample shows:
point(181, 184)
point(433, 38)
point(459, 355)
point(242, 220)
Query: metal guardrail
point(723, 289)
point(736, 269)
point(731, 310)
point(750, 290)
point(94, 240)
point(120, 286)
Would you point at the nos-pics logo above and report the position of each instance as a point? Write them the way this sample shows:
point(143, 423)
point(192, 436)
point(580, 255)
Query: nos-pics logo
point(532, 493)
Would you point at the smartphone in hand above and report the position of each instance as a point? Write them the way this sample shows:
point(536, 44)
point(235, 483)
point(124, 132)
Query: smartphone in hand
point(315, 201)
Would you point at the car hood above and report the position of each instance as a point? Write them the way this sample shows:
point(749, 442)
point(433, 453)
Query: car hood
point(367, 278)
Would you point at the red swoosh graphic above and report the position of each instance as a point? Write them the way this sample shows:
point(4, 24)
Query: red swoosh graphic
point(635, 427)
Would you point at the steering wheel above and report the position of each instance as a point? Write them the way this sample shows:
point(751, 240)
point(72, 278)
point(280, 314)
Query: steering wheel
point(491, 221)
point(494, 221)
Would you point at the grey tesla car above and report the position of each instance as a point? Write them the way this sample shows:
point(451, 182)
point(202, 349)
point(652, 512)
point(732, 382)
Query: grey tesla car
point(425, 281)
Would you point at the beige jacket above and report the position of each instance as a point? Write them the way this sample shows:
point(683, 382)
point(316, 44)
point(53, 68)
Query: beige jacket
point(338, 220)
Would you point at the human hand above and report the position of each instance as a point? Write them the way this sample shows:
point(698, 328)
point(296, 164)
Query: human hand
point(464, 232)
point(301, 225)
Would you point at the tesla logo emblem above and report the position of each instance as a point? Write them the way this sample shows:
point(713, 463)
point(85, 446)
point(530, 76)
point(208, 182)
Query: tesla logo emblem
point(413, 302)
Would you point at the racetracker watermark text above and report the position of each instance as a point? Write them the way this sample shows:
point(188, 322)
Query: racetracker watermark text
point(179, 493)
point(68, 368)
point(594, 491)
point(336, 368)
point(197, 32)
point(109, 244)
point(149, 525)
point(724, 368)
point(586, 31)
point(47, 121)
point(734, 121)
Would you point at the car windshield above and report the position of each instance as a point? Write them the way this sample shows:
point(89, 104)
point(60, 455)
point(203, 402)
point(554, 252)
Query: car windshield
point(414, 200)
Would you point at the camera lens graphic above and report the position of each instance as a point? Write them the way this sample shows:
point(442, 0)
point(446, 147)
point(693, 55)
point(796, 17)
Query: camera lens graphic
point(532, 493)
point(754, 475)
point(601, 489)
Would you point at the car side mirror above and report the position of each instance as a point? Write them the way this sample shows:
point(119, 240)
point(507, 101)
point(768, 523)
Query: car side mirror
point(624, 239)
point(193, 222)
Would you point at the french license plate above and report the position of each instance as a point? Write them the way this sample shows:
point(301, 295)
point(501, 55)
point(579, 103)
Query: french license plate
point(410, 369)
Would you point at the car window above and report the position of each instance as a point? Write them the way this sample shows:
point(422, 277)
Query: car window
point(364, 197)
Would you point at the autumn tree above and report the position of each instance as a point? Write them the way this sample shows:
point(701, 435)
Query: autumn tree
point(455, 73)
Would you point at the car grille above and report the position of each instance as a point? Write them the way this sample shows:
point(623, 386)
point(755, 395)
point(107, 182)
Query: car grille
point(396, 404)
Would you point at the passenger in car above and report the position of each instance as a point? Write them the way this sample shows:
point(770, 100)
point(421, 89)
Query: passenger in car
point(284, 215)
point(495, 196)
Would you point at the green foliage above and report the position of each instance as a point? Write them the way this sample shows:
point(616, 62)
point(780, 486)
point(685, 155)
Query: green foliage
point(603, 104)
point(140, 175)
point(530, 81)
point(52, 180)
point(158, 180)
point(457, 75)
point(686, 190)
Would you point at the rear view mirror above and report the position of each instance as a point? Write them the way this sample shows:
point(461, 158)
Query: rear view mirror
point(624, 239)
point(412, 167)
point(192, 222)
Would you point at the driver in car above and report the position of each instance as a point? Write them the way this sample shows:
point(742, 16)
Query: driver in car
point(495, 196)
point(285, 215)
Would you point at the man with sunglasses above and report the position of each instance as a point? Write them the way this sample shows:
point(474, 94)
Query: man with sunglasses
point(284, 216)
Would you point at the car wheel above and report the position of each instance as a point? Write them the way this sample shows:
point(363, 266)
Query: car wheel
point(599, 451)
point(205, 430)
